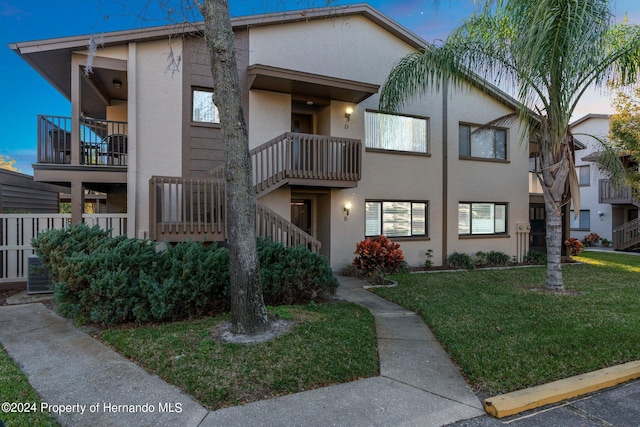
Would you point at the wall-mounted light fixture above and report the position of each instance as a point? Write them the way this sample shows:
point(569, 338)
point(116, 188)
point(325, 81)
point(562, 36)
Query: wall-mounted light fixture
point(600, 214)
point(347, 116)
point(347, 208)
point(117, 84)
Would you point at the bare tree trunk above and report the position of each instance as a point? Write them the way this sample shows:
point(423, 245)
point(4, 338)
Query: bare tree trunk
point(554, 280)
point(555, 172)
point(248, 312)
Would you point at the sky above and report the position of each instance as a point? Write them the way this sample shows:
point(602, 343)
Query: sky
point(26, 94)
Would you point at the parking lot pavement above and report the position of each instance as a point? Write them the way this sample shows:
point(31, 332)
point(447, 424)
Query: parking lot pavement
point(617, 407)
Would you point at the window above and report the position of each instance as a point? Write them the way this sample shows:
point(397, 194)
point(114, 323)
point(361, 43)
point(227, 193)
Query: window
point(489, 143)
point(482, 218)
point(204, 110)
point(394, 132)
point(584, 176)
point(583, 222)
point(396, 219)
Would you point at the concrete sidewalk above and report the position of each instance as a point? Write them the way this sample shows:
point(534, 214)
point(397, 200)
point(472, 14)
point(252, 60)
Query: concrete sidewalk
point(418, 384)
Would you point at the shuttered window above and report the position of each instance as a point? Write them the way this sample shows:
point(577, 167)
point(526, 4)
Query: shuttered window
point(482, 218)
point(395, 132)
point(396, 218)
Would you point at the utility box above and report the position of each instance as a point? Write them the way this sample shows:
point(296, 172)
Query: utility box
point(38, 278)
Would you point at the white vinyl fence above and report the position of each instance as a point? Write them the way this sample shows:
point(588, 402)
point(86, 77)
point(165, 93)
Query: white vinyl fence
point(17, 231)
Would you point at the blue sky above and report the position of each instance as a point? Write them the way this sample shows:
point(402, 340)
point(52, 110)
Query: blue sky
point(26, 94)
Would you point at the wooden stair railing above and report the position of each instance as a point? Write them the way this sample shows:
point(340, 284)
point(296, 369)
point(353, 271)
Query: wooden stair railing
point(183, 208)
point(627, 235)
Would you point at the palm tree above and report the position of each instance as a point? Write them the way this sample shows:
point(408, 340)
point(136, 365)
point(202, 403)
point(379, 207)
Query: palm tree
point(549, 52)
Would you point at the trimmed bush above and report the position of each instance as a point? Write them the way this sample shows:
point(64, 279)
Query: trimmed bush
point(498, 258)
point(535, 257)
point(377, 257)
point(460, 260)
point(294, 275)
point(114, 280)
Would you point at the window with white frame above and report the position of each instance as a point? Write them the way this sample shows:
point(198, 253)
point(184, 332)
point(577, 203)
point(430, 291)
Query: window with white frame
point(583, 221)
point(482, 218)
point(396, 218)
point(584, 176)
point(395, 132)
point(482, 143)
point(204, 110)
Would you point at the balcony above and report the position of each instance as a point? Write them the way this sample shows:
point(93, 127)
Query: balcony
point(306, 160)
point(608, 193)
point(101, 142)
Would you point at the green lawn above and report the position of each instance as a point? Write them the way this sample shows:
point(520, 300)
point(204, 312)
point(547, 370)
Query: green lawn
point(14, 388)
point(504, 335)
point(331, 343)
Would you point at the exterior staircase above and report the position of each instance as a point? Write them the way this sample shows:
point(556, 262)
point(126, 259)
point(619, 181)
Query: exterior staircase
point(627, 236)
point(184, 208)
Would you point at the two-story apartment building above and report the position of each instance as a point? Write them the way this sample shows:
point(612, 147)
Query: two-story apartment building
point(610, 212)
point(329, 168)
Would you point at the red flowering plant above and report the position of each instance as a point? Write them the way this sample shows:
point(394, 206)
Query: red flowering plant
point(377, 257)
point(574, 246)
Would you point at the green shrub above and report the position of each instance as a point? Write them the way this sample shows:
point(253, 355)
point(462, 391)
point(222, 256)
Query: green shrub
point(460, 260)
point(190, 279)
point(498, 258)
point(479, 259)
point(113, 280)
point(106, 288)
point(377, 257)
point(428, 262)
point(294, 275)
point(535, 257)
point(54, 246)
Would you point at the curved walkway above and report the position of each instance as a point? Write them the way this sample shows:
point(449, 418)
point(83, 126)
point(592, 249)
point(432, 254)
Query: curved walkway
point(418, 384)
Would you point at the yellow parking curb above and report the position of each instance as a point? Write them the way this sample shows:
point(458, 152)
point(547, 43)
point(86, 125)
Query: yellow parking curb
point(535, 397)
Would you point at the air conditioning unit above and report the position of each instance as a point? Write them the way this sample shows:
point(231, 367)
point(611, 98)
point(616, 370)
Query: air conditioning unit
point(38, 278)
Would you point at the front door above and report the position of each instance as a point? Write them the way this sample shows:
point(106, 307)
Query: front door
point(301, 123)
point(301, 214)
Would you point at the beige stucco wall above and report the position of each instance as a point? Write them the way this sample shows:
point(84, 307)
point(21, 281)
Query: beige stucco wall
point(270, 116)
point(356, 49)
point(157, 113)
point(486, 181)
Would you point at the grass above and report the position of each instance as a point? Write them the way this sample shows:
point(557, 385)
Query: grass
point(505, 335)
point(14, 388)
point(330, 343)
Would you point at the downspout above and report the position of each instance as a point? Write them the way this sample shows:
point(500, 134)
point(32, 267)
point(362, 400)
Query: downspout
point(132, 161)
point(445, 162)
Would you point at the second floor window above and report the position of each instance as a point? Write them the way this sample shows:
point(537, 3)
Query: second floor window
point(490, 143)
point(204, 110)
point(395, 132)
point(584, 175)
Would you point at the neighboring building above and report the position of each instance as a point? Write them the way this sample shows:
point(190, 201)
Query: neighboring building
point(19, 193)
point(611, 213)
point(325, 160)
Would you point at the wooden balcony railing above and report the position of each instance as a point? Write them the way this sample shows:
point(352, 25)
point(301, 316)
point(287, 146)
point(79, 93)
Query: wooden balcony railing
point(305, 159)
point(182, 208)
point(102, 142)
point(608, 193)
point(627, 235)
